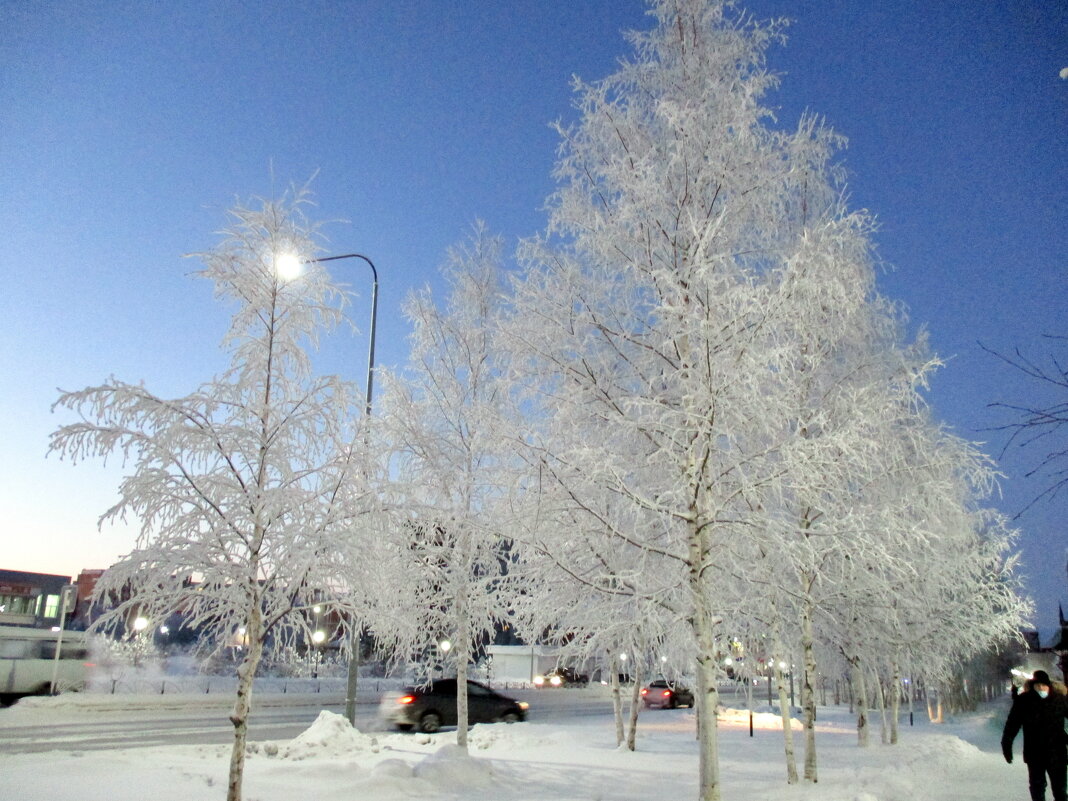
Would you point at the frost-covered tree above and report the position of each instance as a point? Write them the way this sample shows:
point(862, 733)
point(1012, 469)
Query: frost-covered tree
point(243, 487)
point(652, 309)
point(698, 338)
point(442, 417)
point(586, 587)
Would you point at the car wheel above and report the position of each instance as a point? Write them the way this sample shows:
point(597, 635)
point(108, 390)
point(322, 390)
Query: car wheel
point(672, 703)
point(404, 727)
point(511, 716)
point(430, 723)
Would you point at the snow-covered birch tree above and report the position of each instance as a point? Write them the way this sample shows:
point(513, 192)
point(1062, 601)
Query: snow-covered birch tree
point(649, 312)
point(242, 486)
point(443, 419)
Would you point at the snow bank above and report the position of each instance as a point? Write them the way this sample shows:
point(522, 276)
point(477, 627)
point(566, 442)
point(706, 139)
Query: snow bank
point(450, 767)
point(514, 736)
point(764, 717)
point(329, 736)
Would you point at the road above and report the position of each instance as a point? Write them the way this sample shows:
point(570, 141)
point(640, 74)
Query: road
point(106, 722)
point(181, 720)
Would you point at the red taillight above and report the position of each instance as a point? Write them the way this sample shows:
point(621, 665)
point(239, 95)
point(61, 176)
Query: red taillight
point(406, 699)
point(666, 693)
point(88, 664)
point(645, 690)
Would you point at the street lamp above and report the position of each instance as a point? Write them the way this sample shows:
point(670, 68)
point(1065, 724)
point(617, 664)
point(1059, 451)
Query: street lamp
point(287, 265)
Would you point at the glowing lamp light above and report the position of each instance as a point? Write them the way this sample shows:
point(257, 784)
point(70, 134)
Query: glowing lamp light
point(287, 266)
point(140, 623)
point(406, 699)
point(445, 645)
point(318, 637)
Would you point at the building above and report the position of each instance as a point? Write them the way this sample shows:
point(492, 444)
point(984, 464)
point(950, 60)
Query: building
point(520, 663)
point(30, 599)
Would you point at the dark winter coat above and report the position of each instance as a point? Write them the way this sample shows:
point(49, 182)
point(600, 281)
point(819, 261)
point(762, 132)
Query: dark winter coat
point(1042, 721)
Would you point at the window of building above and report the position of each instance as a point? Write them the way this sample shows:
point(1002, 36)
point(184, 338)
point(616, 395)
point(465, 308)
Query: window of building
point(18, 604)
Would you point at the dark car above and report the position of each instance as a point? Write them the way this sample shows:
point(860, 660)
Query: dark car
point(433, 706)
point(561, 677)
point(666, 695)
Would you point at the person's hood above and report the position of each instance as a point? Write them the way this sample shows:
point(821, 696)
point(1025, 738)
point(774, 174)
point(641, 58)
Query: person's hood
point(1055, 687)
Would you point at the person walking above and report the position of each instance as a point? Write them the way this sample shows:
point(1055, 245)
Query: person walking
point(1040, 710)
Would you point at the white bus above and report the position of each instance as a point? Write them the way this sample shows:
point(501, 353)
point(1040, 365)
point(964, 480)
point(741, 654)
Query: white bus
point(28, 661)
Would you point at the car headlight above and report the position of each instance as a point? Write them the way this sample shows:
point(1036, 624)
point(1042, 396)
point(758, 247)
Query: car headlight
point(556, 681)
point(524, 705)
point(539, 680)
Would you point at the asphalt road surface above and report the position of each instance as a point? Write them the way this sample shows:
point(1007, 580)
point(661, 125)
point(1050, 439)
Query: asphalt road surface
point(138, 722)
point(205, 722)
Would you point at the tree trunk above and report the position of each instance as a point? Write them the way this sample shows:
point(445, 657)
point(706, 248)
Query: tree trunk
point(884, 724)
point(895, 701)
point(462, 649)
point(353, 677)
point(787, 724)
point(934, 706)
point(862, 707)
point(635, 705)
point(617, 700)
point(911, 692)
point(707, 670)
point(808, 694)
point(246, 672)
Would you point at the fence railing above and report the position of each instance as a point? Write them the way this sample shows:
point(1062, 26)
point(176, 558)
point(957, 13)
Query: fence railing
point(212, 685)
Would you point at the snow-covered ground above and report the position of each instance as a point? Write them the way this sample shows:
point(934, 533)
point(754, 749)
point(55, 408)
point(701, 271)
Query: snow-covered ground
point(572, 759)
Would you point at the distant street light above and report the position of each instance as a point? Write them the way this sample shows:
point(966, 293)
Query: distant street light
point(317, 638)
point(140, 624)
point(445, 645)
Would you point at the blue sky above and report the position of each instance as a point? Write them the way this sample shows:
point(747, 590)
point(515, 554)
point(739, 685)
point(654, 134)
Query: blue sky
point(128, 128)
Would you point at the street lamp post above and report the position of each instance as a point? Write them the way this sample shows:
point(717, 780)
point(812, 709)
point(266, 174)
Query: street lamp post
point(354, 659)
point(374, 319)
point(288, 265)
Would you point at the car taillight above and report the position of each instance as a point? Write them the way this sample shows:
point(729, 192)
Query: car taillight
point(666, 693)
point(645, 690)
point(406, 699)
